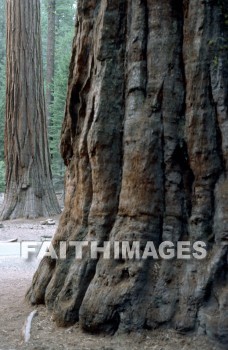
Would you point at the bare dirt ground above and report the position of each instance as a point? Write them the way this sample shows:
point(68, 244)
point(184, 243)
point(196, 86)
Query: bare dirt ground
point(15, 278)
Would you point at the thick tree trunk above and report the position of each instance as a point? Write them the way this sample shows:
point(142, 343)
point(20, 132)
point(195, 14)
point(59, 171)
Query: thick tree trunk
point(145, 138)
point(50, 57)
point(29, 189)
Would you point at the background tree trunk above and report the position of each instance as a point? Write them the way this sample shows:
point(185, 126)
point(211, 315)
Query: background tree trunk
point(2, 86)
point(145, 138)
point(29, 190)
point(50, 57)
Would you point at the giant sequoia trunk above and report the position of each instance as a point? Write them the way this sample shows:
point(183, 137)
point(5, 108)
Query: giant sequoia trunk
point(145, 139)
point(29, 189)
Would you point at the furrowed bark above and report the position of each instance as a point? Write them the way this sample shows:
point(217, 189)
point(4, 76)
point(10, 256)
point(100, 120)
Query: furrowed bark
point(145, 143)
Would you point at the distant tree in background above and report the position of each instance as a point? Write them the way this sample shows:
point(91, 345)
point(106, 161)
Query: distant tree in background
point(64, 30)
point(50, 71)
point(2, 92)
point(65, 19)
point(61, 40)
point(29, 189)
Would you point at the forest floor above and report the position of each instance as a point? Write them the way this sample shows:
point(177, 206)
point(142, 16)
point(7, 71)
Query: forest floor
point(15, 278)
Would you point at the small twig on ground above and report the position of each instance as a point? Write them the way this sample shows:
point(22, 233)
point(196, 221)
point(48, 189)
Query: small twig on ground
point(26, 331)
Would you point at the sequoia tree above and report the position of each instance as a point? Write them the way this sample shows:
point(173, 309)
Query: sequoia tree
point(29, 189)
point(145, 141)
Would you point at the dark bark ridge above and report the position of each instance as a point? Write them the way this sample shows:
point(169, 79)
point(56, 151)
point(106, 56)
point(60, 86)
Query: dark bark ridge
point(145, 139)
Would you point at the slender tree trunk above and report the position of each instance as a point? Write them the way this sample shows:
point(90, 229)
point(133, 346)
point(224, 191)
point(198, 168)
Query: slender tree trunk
point(145, 139)
point(2, 33)
point(29, 189)
point(2, 75)
point(50, 57)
